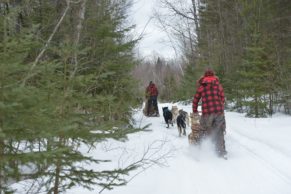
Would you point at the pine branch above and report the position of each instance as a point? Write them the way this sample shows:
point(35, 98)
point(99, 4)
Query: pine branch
point(37, 59)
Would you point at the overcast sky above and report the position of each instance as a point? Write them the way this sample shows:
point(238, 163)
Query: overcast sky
point(154, 39)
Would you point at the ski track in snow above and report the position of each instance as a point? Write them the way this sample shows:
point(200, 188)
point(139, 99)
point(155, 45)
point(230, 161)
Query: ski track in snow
point(266, 162)
point(258, 159)
point(278, 149)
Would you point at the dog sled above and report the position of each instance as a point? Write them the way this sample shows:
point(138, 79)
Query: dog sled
point(197, 132)
point(152, 112)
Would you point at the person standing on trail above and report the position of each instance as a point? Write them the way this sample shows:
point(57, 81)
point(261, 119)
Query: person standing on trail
point(211, 93)
point(152, 94)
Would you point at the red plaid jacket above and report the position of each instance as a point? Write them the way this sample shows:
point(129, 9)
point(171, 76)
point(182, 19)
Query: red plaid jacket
point(152, 90)
point(212, 94)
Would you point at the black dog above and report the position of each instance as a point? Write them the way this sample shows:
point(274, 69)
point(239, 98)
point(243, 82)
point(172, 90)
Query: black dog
point(168, 116)
point(181, 122)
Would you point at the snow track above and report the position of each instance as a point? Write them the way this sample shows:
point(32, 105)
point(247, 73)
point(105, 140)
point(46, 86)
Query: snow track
point(277, 169)
point(259, 159)
point(266, 144)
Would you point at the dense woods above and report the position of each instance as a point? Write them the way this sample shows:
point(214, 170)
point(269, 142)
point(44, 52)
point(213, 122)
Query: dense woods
point(65, 82)
point(247, 42)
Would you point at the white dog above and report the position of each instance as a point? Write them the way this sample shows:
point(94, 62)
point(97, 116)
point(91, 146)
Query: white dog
point(175, 113)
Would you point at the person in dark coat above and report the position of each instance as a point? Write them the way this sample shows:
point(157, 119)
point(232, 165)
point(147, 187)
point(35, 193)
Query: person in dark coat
point(152, 93)
point(211, 93)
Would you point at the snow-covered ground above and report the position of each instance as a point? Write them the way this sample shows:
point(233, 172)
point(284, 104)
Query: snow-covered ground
point(259, 158)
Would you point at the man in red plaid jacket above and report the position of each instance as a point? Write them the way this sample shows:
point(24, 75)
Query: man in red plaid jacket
point(152, 93)
point(212, 120)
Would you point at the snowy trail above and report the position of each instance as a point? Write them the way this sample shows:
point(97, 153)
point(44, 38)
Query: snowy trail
point(259, 159)
point(281, 163)
point(276, 169)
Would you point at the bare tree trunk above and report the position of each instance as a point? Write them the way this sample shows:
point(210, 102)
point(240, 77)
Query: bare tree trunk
point(196, 19)
point(30, 74)
point(223, 61)
point(2, 114)
point(57, 178)
point(271, 102)
point(191, 42)
point(1, 164)
point(81, 17)
point(256, 107)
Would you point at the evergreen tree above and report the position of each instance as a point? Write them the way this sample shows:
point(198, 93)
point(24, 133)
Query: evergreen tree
point(65, 82)
point(244, 44)
point(170, 88)
point(253, 79)
point(232, 36)
point(189, 80)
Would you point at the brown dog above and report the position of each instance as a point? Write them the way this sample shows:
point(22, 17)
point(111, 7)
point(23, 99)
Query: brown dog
point(175, 113)
point(181, 122)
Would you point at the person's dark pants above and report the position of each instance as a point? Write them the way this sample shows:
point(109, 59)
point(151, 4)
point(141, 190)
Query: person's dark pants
point(214, 124)
point(153, 102)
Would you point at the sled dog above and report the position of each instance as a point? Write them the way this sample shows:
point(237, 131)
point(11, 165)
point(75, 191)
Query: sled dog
point(168, 116)
point(175, 113)
point(182, 119)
